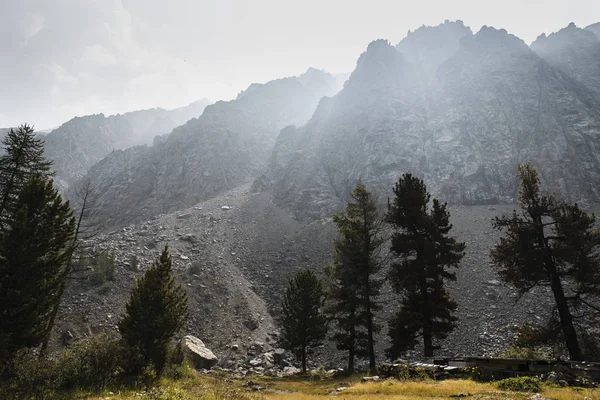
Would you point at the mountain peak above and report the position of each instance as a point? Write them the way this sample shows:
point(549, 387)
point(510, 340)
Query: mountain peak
point(574, 51)
point(490, 40)
point(379, 66)
point(566, 37)
point(595, 28)
point(314, 74)
point(430, 46)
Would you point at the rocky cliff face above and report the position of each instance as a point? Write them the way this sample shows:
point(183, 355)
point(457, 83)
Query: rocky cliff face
point(491, 104)
point(83, 141)
point(223, 148)
point(574, 51)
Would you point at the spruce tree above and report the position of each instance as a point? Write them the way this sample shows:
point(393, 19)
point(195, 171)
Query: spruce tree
point(304, 325)
point(24, 158)
point(551, 243)
point(156, 311)
point(424, 255)
point(34, 248)
point(354, 287)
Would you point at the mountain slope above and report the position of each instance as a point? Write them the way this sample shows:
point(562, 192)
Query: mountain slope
point(493, 104)
point(83, 141)
point(594, 28)
point(223, 148)
point(574, 51)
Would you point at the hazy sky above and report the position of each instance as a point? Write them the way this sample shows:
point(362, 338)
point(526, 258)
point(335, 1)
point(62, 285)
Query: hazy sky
point(61, 58)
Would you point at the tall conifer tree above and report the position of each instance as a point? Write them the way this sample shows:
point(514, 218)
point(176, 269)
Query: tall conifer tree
point(34, 248)
point(24, 159)
point(551, 243)
point(354, 287)
point(424, 253)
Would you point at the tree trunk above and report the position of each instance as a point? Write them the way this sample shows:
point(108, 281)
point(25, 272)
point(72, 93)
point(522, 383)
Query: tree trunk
point(351, 345)
point(304, 359)
point(68, 270)
point(427, 342)
point(566, 320)
point(372, 366)
point(425, 314)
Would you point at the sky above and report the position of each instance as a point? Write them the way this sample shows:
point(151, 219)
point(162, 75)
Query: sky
point(66, 58)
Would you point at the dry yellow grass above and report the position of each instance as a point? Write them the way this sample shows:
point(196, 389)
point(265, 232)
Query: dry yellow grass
point(225, 388)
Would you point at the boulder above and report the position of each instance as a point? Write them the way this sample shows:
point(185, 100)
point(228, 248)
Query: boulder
point(256, 362)
point(278, 355)
point(291, 371)
point(200, 356)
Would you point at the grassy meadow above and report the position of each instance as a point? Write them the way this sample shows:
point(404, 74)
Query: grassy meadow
point(207, 387)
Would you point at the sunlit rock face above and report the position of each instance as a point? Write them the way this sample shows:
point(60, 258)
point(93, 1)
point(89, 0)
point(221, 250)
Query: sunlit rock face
point(461, 115)
point(574, 51)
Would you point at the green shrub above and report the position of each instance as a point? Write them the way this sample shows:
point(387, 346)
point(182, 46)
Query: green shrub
point(104, 266)
point(30, 378)
point(528, 353)
point(134, 263)
point(406, 373)
point(521, 384)
point(179, 371)
point(92, 363)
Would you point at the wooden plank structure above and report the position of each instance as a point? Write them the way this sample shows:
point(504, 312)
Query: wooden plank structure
point(509, 367)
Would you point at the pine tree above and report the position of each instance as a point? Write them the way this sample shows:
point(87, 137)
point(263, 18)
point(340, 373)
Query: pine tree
point(304, 325)
point(424, 255)
point(354, 287)
point(24, 158)
point(551, 243)
point(156, 311)
point(34, 248)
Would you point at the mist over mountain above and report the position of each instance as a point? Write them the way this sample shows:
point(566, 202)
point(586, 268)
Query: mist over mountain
point(482, 109)
point(594, 28)
point(83, 141)
point(244, 190)
point(575, 52)
point(223, 148)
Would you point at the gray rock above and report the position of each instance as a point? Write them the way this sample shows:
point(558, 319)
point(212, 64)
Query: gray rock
point(291, 371)
point(198, 353)
point(256, 362)
point(278, 355)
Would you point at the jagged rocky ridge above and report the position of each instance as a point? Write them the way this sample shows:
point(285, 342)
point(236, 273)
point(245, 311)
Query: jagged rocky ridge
point(223, 148)
point(83, 141)
point(574, 51)
point(492, 104)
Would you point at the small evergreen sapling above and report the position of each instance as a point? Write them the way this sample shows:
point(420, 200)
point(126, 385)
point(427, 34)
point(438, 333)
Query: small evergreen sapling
point(304, 324)
point(156, 311)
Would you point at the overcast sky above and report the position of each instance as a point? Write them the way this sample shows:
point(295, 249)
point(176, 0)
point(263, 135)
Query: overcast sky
point(61, 58)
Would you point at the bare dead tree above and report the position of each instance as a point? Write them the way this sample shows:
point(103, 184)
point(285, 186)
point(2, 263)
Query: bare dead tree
point(86, 229)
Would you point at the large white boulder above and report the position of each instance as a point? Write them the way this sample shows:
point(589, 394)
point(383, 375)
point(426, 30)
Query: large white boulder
point(200, 356)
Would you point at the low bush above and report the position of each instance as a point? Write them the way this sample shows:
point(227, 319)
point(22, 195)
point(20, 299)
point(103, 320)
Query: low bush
point(521, 384)
point(134, 263)
point(92, 363)
point(104, 267)
point(528, 353)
